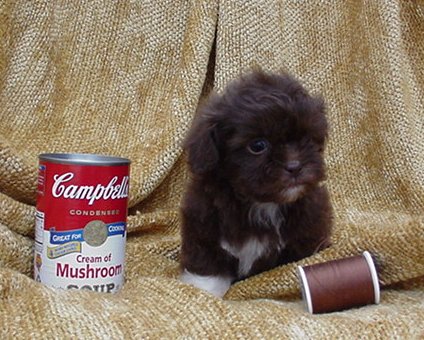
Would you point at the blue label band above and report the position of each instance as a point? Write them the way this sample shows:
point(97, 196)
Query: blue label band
point(61, 237)
point(116, 229)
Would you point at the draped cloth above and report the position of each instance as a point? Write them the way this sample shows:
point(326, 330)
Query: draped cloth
point(124, 78)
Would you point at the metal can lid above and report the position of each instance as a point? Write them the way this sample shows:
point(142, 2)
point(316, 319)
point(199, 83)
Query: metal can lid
point(83, 159)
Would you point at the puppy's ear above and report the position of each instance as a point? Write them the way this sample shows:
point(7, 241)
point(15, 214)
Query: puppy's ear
point(201, 144)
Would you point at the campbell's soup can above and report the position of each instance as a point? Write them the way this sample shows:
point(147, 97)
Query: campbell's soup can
point(80, 229)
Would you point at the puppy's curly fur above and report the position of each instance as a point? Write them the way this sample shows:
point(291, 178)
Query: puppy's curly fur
point(255, 199)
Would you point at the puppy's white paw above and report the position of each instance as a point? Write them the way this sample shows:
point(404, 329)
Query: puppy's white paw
point(216, 285)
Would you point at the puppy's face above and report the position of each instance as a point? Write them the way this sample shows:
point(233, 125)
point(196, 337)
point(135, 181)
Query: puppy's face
point(274, 156)
point(265, 137)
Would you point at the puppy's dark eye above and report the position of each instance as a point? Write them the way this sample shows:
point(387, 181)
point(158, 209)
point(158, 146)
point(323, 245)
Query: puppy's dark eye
point(258, 146)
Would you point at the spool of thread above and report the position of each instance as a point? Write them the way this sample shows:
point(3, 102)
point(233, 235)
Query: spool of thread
point(340, 284)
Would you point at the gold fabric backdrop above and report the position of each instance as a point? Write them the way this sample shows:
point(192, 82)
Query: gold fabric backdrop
point(125, 78)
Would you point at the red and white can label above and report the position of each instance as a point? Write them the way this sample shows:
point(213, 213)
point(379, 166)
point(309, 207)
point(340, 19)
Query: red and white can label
point(81, 217)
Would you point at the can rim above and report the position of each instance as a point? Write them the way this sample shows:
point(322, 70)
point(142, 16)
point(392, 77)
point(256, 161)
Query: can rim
point(83, 159)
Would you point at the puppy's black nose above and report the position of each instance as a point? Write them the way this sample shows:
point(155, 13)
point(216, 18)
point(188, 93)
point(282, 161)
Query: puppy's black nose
point(293, 167)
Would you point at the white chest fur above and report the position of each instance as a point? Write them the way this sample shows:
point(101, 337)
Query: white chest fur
point(262, 215)
point(247, 254)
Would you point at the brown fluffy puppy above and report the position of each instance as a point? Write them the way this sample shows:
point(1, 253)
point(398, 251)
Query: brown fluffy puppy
point(255, 199)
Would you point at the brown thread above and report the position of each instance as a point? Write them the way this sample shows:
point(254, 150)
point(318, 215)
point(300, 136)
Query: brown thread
point(340, 284)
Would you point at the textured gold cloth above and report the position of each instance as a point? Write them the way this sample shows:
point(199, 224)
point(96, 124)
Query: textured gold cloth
point(125, 78)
